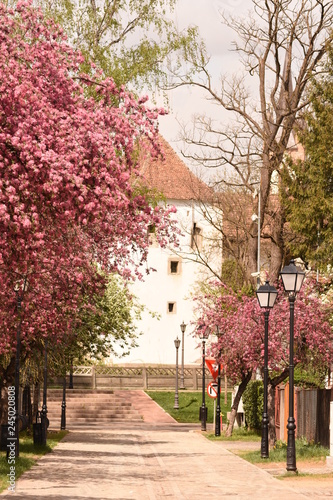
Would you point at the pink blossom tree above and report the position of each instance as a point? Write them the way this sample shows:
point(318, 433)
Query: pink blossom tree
point(70, 197)
point(240, 344)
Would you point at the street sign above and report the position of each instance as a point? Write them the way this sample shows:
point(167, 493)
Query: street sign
point(213, 367)
point(212, 390)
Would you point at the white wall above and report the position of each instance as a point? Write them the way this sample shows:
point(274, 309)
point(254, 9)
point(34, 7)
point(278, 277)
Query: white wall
point(156, 345)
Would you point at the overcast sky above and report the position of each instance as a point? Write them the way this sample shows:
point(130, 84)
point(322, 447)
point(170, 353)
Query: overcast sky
point(185, 102)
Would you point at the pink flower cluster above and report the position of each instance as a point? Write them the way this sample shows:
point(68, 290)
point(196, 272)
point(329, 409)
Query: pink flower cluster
point(240, 322)
point(70, 149)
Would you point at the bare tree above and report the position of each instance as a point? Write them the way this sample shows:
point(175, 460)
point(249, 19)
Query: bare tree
point(281, 44)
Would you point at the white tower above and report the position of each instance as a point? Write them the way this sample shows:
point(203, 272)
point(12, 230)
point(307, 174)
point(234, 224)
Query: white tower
point(166, 293)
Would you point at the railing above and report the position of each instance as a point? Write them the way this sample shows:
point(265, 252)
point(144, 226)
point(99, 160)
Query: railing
point(137, 377)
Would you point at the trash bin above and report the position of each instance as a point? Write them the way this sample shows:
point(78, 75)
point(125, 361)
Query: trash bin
point(37, 430)
point(4, 436)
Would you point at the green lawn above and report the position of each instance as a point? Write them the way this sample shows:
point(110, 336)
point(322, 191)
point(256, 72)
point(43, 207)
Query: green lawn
point(304, 451)
point(189, 404)
point(29, 454)
point(238, 434)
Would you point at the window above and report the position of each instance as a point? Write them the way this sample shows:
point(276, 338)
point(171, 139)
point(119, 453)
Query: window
point(172, 307)
point(174, 265)
point(196, 239)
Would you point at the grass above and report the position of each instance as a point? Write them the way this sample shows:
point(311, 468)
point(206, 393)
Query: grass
point(304, 451)
point(29, 454)
point(189, 405)
point(238, 434)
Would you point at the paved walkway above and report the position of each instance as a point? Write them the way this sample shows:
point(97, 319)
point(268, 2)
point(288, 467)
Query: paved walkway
point(147, 461)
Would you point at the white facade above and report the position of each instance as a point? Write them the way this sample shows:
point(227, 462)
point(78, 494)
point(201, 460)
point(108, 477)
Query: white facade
point(166, 293)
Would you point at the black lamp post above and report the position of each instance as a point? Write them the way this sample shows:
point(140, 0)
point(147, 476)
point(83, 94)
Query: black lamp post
point(266, 295)
point(292, 279)
point(177, 344)
point(44, 407)
point(218, 404)
point(63, 405)
point(204, 332)
point(19, 298)
point(70, 385)
point(218, 399)
point(183, 328)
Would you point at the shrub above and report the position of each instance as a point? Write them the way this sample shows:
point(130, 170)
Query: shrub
point(253, 402)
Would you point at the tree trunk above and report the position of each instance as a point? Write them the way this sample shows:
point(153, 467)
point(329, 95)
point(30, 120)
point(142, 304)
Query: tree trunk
point(246, 379)
point(252, 262)
point(277, 245)
point(35, 401)
point(271, 415)
point(6, 379)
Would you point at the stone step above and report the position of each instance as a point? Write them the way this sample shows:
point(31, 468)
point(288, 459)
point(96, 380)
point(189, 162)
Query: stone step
point(118, 402)
point(70, 422)
point(80, 391)
point(85, 396)
point(88, 406)
point(97, 419)
point(99, 414)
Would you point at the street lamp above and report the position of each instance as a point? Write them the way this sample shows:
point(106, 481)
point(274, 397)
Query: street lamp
point(183, 328)
point(218, 399)
point(177, 344)
point(63, 405)
point(44, 407)
point(218, 403)
point(266, 295)
point(204, 332)
point(292, 279)
point(254, 218)
point(19, 291)
point(70, 385)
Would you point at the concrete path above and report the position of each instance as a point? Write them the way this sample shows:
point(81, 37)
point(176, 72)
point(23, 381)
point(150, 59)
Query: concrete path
point(146, 461)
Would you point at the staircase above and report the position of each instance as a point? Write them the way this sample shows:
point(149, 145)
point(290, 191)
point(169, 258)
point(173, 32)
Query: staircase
point(89, 407)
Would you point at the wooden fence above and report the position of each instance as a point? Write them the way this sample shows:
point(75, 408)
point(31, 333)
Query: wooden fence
point(312, 414)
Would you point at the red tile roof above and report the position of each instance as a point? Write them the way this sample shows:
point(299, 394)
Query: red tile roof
point(169, 175)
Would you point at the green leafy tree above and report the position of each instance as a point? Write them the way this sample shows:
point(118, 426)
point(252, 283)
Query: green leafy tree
point(308, 185)
point(104, 326)
point(108, 327)
point(129, 40)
